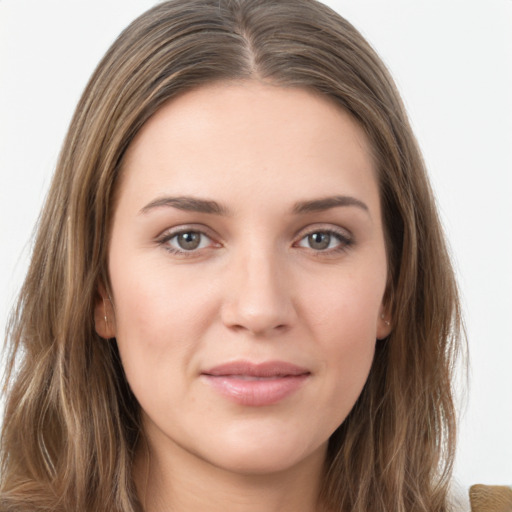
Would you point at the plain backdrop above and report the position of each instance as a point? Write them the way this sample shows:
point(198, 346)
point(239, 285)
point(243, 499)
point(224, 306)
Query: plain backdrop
point(452, 60)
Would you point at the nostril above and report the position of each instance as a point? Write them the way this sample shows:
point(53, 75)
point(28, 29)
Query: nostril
point(258, 329)
point(260, 304)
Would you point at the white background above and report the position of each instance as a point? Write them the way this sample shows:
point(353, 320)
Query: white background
point(452, 60)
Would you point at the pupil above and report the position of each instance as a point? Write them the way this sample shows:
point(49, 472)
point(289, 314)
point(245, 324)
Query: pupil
point(319, 240)
point(189, 241)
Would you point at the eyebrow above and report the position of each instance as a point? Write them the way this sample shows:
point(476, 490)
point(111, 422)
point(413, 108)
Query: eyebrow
point(187, 203)
point(326, 203)
point(194, 204)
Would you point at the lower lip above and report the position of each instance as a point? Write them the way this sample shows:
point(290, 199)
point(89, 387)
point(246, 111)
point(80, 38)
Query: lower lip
point(256, 392)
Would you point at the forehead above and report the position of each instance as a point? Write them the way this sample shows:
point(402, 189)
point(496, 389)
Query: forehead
point(256, 136)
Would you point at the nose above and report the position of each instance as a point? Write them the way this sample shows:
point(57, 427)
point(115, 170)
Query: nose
point(258, 296)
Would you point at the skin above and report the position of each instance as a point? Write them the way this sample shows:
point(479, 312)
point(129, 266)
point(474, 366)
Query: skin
point(257, 288)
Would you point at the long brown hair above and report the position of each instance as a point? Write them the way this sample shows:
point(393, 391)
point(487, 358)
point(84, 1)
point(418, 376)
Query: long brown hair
point(71, 422)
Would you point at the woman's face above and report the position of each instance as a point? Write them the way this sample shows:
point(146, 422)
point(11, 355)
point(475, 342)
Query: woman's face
point(248, 267)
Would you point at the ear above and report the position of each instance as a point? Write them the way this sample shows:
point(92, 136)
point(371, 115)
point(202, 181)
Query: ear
point(104, 315)
point(384, 323)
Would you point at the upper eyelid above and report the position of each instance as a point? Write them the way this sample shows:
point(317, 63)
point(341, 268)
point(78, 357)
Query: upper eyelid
point(184, 228)
point(164, 240)
point(328, 228)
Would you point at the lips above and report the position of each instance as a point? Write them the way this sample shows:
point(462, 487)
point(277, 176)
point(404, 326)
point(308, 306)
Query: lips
point(255, 385)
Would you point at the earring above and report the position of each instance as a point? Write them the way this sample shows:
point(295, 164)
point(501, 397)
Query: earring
point(105, 315)
point(387, 322)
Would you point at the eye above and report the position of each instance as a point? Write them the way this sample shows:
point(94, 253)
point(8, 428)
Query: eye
point(186, 241)
point(325, 240)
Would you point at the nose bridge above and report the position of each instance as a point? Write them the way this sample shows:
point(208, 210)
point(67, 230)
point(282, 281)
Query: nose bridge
point(258, 298)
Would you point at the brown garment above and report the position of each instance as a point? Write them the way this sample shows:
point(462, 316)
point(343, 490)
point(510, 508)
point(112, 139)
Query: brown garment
point(490, 498)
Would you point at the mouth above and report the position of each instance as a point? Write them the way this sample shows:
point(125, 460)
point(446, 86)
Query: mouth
point(250, 384)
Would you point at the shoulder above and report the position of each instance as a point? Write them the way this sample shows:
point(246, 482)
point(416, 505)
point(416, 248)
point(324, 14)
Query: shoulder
point(459, 498)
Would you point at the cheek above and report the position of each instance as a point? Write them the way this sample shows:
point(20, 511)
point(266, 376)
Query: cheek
point(343, 316)
point(348, 353)
point(157, 323)
point(152, 300)
point(346, 305)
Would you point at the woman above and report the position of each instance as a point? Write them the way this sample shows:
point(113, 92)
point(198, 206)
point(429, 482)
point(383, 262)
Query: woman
point(239, 296)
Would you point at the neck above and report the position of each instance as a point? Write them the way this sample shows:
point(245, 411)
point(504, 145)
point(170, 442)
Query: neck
point(181, 482)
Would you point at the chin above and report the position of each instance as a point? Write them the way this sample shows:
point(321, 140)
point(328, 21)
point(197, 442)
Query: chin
point(258, 457)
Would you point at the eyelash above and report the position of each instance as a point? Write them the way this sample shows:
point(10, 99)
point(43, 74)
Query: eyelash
point(166, 238)
point(345, 241)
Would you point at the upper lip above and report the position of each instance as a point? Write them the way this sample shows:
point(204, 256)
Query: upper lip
point(265, 369)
